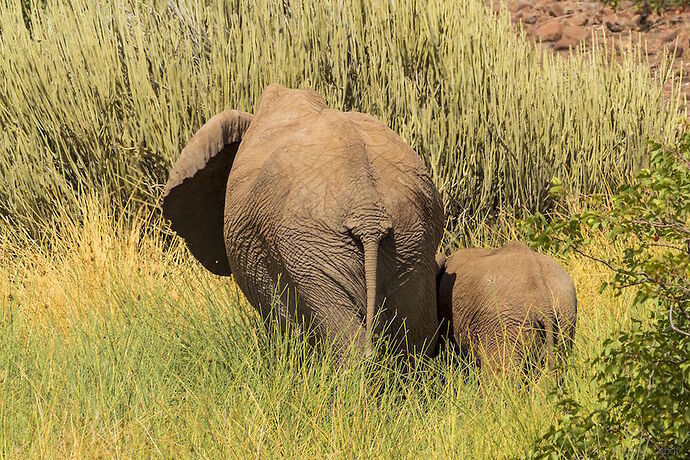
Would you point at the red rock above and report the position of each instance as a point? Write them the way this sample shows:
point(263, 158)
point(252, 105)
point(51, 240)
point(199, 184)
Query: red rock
point(652, 43)
point(684, 39)
point(550, 31)
point(565, 43)
point(576, 33)
point(635, 21)
point(556, 10)
point(564, 24)
point(524, 12)
point(653, 18)
point(568, 7)
point(623, 16)
point(522, 5)
point(613, 23)
point(614, 27)
point(670, 35)
point(678, 45)
point(581, 19)
point(529, 19)
point(673, 50)
point(540, 6)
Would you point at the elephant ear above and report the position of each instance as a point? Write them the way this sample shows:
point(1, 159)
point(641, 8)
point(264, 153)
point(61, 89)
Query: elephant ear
point(440, 264)
point(445, 282)
point(194, 197)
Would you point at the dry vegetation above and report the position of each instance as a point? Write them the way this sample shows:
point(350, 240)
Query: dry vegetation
point(116, 342)
point(102, 95)
point(113, 344)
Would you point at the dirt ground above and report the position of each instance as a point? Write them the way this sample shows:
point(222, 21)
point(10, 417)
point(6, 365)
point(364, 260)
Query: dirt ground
point(561, 25)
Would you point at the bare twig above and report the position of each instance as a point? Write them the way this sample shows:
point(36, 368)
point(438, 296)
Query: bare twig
point(673, 326)
point(596, 259)
point(664, 225)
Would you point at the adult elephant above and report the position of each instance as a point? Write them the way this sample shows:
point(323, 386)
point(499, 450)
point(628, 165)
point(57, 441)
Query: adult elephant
point(504, 305)
point(330, 210)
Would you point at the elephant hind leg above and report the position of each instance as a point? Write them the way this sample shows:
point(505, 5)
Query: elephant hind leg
point(344, 331)
point(516, 349)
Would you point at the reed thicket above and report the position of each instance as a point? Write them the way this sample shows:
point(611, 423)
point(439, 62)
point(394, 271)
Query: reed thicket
point(103, 95)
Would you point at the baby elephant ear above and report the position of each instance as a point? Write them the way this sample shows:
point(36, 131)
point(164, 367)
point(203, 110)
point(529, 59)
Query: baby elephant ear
point(194, 197)
point(440, 264)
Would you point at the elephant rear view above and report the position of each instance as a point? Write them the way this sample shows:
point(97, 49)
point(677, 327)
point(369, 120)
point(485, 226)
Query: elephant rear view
point(330, 210)
point(503, 305)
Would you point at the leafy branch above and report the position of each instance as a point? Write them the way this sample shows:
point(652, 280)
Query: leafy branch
point(643, 373)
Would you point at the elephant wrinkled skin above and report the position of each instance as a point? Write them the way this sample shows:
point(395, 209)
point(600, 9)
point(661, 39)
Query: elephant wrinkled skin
point(331, 205)
point(503, 305)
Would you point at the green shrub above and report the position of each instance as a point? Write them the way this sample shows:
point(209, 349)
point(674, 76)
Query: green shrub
point(644, 373)
point(103, 95)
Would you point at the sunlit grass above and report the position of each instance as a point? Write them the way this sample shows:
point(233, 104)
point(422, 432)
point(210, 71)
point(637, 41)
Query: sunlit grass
point(104, 95)
point(113, 344)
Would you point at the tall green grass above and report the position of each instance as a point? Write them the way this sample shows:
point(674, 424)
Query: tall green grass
point(103, 96)
point(113, 345)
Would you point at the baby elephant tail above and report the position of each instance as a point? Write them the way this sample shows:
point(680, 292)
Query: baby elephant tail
point(550, 330)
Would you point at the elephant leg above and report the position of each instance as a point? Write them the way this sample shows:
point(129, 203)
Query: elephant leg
point(270, 295)
point(497, 356)
point(320, 307)
point(407, 316)
point(517, 347)
point(339, 325)
point(345, 331)
point(279, 314)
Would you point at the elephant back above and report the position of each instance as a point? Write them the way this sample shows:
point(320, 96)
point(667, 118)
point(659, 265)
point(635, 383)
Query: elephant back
point(309, 185)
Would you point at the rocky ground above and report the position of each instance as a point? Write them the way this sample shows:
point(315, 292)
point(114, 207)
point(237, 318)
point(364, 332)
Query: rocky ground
point(562, 25)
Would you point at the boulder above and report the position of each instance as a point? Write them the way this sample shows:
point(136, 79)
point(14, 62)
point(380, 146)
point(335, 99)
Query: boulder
point(550, 31)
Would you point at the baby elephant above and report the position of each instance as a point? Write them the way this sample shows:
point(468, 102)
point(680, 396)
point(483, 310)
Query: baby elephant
point(504, 305)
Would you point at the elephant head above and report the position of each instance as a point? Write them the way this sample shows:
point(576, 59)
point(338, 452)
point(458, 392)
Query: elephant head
point(333, 205)
point(502, 305)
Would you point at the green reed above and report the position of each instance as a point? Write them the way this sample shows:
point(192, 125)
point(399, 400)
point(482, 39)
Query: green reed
point(103, 96)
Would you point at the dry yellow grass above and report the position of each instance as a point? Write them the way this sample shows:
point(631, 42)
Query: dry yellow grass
point(113, 343)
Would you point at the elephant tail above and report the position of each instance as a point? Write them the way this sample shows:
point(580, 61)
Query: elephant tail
point(550, 331)
point(369, 226)
point(371, 255)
